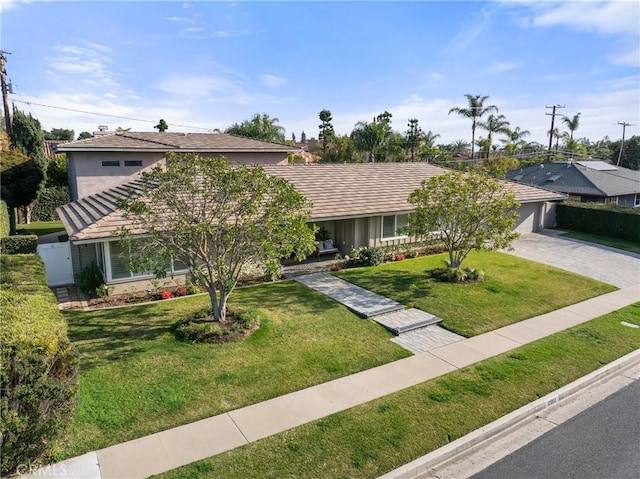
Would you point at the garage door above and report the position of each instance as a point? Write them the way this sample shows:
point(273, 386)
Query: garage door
point(528, 221)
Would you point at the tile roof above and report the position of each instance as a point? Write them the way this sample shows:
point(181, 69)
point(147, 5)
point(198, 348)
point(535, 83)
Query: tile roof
point(573, 178)
point(187, 142)
point(336, 191)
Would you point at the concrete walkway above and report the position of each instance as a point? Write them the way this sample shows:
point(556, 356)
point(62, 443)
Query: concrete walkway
point(362, 302)
point(179, 446)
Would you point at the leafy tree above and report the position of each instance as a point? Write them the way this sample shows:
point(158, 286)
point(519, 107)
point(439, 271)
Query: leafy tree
point(342, 150)
point(21, 180)
point(467, 211)
point(260, 127)
point(59, 134)
point(373, 138)
point(57, 172)
point(162, 126)
point(475, 110)
point(429, 150)
point(293, 137)
point(303, 137)
point(326, 130)
point(460, 146)
point(494, 125)
point(217, 219)
point(28, 138)
point(630, 153)
point(515, 139)
point(84, 135)
point(572, 123)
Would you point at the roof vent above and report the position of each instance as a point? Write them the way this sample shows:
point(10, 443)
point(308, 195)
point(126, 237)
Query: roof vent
point(553, 178)
point(541, 165)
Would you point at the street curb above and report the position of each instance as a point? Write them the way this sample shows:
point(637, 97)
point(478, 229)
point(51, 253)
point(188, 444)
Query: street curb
point(421, 465)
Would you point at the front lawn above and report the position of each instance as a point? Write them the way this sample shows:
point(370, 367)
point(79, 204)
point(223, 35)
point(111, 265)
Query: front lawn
point(135, 379)
point(40, 228)
point(604, 240)
point(514, 289)
point(369, 440)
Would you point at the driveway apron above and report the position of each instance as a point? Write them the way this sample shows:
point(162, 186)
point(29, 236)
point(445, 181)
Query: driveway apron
point(609, 265)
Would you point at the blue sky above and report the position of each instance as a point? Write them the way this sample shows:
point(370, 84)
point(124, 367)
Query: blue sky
point(206, 65)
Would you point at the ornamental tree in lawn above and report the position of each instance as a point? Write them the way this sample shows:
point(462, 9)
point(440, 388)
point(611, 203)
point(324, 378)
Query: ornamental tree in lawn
point(216, 218)
point(466, 211)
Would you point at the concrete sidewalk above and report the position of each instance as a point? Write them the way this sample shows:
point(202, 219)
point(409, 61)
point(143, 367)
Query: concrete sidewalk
point(179, 446)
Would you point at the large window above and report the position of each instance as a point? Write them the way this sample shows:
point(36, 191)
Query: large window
point(391, 224)
point(119, 270)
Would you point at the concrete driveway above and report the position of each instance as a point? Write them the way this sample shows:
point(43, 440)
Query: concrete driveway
point(616, 267)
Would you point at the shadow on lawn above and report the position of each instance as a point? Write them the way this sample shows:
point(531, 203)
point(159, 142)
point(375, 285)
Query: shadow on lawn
point(114, 335)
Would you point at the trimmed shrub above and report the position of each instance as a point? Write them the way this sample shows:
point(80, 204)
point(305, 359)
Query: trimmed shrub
point(457, 275)
point(4, 219)
point(38, 369)
point(19, 244)
point(44, 207)
point(196, 329)
point(596, 218)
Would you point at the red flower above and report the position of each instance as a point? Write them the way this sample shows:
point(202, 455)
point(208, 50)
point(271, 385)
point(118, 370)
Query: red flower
point(166, 294)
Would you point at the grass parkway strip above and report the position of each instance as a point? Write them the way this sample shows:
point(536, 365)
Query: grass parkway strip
point(369, 440)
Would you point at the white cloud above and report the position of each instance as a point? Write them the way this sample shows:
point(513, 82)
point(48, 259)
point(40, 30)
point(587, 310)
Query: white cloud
point(272, 81)
point(88, 60)
point(501, 67)
point(612, 17)
point(6, 5)
point(469, 32)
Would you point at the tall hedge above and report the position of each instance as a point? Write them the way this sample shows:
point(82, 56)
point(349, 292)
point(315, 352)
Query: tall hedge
point(38, 372)
point(4, 219)
point(44, 207)
point(620, 222)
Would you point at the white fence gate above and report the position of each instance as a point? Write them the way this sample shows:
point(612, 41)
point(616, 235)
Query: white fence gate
point(57, 262)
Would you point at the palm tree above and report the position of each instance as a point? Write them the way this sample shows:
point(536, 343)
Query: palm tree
point(475, 111)
point(515, 139)
point(460, 146)
point(572, 123)
point(494, 125)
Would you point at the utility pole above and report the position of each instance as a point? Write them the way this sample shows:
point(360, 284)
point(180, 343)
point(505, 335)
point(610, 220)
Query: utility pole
point(624, 128)
point(5, 95)
point(553, 119)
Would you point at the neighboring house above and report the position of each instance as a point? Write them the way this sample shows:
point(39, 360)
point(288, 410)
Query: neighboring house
point(585, 181)
point(108, 160)
point(359, 204)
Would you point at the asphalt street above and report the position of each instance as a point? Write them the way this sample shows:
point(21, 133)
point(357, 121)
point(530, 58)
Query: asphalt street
point(601, 442)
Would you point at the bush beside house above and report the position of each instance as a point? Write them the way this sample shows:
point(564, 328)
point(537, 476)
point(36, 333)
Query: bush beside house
point(39, 365)
point(4, 219)
point(19, 244)
point(600, 219)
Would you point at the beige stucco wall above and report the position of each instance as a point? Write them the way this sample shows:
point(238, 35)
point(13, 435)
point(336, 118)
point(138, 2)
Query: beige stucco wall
point(87, 176)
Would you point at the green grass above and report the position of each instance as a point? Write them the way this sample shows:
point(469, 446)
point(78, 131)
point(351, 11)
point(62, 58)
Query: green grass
point(514, 289)
point(605, 240)
point(135, 379)
point(369, 440)
point(40, 228)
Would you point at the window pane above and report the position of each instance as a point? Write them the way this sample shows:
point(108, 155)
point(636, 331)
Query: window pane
point(119, 268)
point(111, 163)
point(388, 226)
point(179, 265)
point(401, 222)
point(132, 162)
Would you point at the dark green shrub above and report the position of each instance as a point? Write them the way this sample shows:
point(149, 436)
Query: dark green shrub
point(44, 208)
point(457, 275)
point(19, 244)
point(195, 329)
point(372, 256)
point(596, 218)
point(4, 219)
point(90, 279)
point(38, 369)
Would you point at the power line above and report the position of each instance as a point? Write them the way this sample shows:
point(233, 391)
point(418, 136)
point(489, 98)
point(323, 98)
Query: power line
point(108, 115)
point(553, 118)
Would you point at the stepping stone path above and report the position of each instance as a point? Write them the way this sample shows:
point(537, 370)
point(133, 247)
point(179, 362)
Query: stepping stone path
point(416, 330)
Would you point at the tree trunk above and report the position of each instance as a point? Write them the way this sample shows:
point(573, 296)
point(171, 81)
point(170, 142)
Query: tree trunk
point(12, 221)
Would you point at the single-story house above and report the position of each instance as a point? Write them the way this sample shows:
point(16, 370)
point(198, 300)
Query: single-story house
point(108, 160)
point(359, 204)
point(584, 181)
